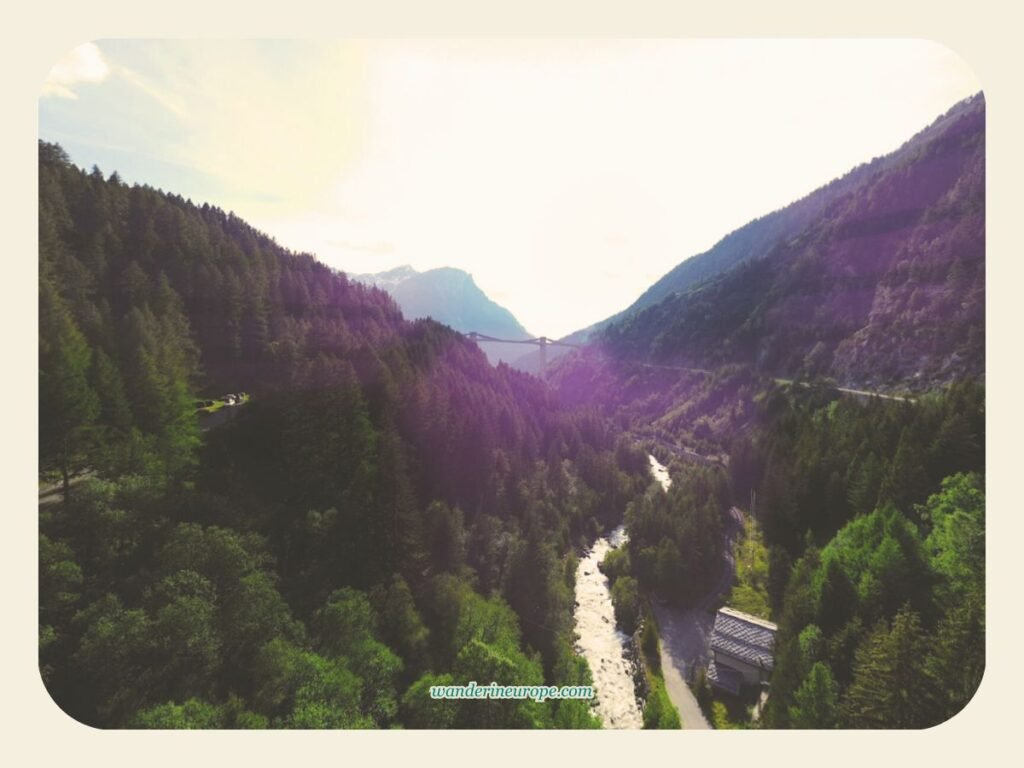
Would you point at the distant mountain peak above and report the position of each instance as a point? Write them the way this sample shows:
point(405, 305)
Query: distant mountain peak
point(388, 277)
point(451, 296)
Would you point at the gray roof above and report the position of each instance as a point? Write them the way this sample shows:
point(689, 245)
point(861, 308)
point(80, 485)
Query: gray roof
point(744, 637)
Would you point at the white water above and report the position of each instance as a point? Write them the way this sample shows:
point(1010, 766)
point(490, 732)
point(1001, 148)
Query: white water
point(660, 472)
point(600, 642)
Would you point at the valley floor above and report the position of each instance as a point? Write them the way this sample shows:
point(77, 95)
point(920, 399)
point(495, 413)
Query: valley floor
point(685, 634)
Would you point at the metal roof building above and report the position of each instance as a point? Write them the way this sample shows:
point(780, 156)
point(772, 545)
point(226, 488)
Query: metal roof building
point(742, 648)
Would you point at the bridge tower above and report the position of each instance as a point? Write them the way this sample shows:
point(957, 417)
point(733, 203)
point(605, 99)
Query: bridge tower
point(542, 347)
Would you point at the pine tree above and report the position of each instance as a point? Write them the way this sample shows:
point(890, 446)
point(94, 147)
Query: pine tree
point(816, 700)
point(158, 388)
point(68, 405)
point(906, 482)
point(957, 663)
point(115, 412)
point(838, 600)
point(864, 485)
point(889, 688)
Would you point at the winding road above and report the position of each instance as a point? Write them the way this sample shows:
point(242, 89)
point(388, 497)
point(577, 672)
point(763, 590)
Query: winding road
point(844, 390)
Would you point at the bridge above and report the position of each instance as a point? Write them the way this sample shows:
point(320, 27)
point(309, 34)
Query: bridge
point(541, 342)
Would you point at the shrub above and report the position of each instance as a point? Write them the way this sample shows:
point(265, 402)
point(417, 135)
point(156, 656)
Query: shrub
point(626, 599)
point(659, 713)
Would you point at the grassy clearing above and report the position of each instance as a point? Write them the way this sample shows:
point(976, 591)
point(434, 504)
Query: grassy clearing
point(750, 593)
point(219, 403)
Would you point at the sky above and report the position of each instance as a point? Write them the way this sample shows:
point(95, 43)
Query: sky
point(565, 176)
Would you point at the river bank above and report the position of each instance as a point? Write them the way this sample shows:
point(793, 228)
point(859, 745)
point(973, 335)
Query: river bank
point(601, 643)
point(621, 676)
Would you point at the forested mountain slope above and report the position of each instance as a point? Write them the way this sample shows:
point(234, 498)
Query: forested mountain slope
point(876, 280)
point(865, 517)
point(387, 511)
point(873, 518)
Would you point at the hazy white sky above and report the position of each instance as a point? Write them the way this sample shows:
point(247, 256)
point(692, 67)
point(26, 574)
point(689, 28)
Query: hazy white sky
point(565, 176)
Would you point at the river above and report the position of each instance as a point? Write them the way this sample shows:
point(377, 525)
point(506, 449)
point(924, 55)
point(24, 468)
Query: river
point(660, 472)
point(602, 644)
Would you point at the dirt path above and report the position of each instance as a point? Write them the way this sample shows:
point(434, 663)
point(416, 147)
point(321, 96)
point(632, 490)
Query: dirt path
point(683, 642)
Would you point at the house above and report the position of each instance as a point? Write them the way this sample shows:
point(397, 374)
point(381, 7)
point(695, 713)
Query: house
point(741, 650)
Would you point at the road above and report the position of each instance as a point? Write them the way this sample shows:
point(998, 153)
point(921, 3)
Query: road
point(863, 393)
point(685, 634)
point(54, 492)
point(686, 454)
point(844, 390)
point(855, 392)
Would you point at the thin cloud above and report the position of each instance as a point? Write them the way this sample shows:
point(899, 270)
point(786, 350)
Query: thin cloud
point(84, 64)
point(171, 102)
point(87, 64)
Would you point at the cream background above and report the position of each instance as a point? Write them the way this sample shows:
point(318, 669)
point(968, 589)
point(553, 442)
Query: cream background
point(984, 33)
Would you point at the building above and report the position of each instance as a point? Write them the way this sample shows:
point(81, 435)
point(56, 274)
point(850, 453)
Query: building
point(741, 650)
